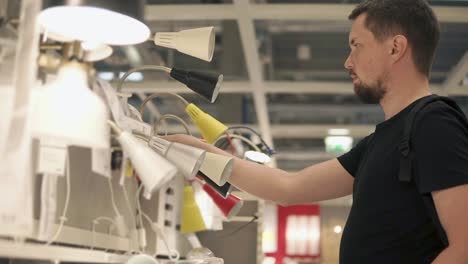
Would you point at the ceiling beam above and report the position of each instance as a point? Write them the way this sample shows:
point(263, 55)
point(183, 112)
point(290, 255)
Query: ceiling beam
point(456, 77)
point(310, 12)
point(273, 87)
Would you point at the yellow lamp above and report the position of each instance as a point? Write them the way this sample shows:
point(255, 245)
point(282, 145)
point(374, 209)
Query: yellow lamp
point(209, 127)
point(192, 220)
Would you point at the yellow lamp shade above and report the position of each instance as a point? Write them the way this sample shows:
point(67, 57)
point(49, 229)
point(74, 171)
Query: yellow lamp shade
point(192, 220)
point(209, 127)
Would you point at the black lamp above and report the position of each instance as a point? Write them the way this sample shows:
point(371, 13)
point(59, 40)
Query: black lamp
point(205, 84)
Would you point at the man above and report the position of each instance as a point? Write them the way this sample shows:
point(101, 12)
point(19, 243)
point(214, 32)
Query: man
point(392, 47)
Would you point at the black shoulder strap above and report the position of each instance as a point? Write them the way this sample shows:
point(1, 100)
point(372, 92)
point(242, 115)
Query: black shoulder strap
point(407, 156)
point(405, 143)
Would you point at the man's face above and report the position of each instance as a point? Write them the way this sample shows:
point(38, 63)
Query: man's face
point(367, 63)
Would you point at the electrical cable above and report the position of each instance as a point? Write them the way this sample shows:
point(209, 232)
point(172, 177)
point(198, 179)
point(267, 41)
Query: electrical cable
point(96, 222)
point(139, 225)
point(160, 233)
point(114, 205)
point(137, 200)
point(255, 217)
point(132, 215)
point(63, 218)
point(229, 139)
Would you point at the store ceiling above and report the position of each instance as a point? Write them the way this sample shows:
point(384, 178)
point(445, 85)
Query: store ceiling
point(293, 54)
point(301, 78)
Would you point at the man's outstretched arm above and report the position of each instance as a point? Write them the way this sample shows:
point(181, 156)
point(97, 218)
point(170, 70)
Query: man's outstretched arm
point(323, 181)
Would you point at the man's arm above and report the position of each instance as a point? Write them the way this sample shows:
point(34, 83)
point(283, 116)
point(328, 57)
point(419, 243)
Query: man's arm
point(323, 181)
point(452, 209)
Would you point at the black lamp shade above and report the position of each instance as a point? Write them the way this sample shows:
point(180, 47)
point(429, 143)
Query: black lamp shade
point(131, 8)
point(205, 84)
point(224, 190)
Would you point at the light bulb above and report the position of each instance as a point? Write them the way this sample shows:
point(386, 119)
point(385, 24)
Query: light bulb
point(68, 110)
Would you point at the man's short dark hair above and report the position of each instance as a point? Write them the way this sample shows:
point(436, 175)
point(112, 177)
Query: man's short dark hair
point(412, 18)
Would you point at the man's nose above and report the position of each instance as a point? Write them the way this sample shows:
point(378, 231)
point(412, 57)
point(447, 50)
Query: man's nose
point(347, 64)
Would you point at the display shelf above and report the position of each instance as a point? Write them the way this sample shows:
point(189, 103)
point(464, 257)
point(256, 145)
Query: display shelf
point(15, 250)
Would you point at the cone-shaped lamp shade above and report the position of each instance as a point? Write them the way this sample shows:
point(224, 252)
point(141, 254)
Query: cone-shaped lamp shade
point(205, 84)
point(209, 127)
point(198, 42)
point(192, 220)
point(98, 21)
point(187, 159)
point(217, 167)
point(68, 110)
point(153, 170)
point(229, 206)
point(224, 190)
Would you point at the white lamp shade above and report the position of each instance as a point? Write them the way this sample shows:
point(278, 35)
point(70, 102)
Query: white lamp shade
point(256, 156)
point(187, 159)
point(198, 42)
point(217, 167)
point(141, 259)
point(153, 170)
point(96, 52)
point(92, 24)
point(68, 110)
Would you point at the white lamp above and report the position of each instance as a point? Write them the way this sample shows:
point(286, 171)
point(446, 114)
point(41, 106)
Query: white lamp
point(198, 42)
point(68, 110)
point(187, 159)
point(152, 168)
point(101, 21)
point(217, 167)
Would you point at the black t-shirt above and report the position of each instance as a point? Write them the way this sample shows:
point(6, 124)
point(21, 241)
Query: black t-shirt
point(388, 222)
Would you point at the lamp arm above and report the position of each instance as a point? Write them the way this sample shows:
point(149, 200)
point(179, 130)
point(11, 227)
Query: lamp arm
point(114, 127)
point(256, 133)
point(154, 95)
point(243, 139)
point(141, 68)
point(170, 116)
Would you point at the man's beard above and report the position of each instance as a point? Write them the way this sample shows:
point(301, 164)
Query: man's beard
point(370, 94)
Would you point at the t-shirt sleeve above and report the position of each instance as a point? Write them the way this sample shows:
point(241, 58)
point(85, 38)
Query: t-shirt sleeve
point(350, 160)
point(440, 143)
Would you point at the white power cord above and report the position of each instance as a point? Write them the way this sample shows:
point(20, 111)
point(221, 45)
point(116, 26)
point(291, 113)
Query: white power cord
point(63, 218)
point(119, 220)
point(132, 217)
point(96, 222)
point(173, 254)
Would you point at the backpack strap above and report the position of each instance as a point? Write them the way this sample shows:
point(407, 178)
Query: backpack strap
point(405, 146)
point(407, 156)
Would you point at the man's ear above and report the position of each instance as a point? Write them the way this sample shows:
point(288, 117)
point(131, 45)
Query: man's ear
point(398, 47)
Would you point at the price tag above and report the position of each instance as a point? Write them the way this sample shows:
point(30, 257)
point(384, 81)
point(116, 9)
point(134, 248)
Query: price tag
point(135, 125)
point(52, 160)
point(101, 162)
point(52, 157)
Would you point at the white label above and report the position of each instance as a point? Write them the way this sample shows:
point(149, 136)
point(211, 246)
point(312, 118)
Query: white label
point(101, 162)
point(52, 159)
